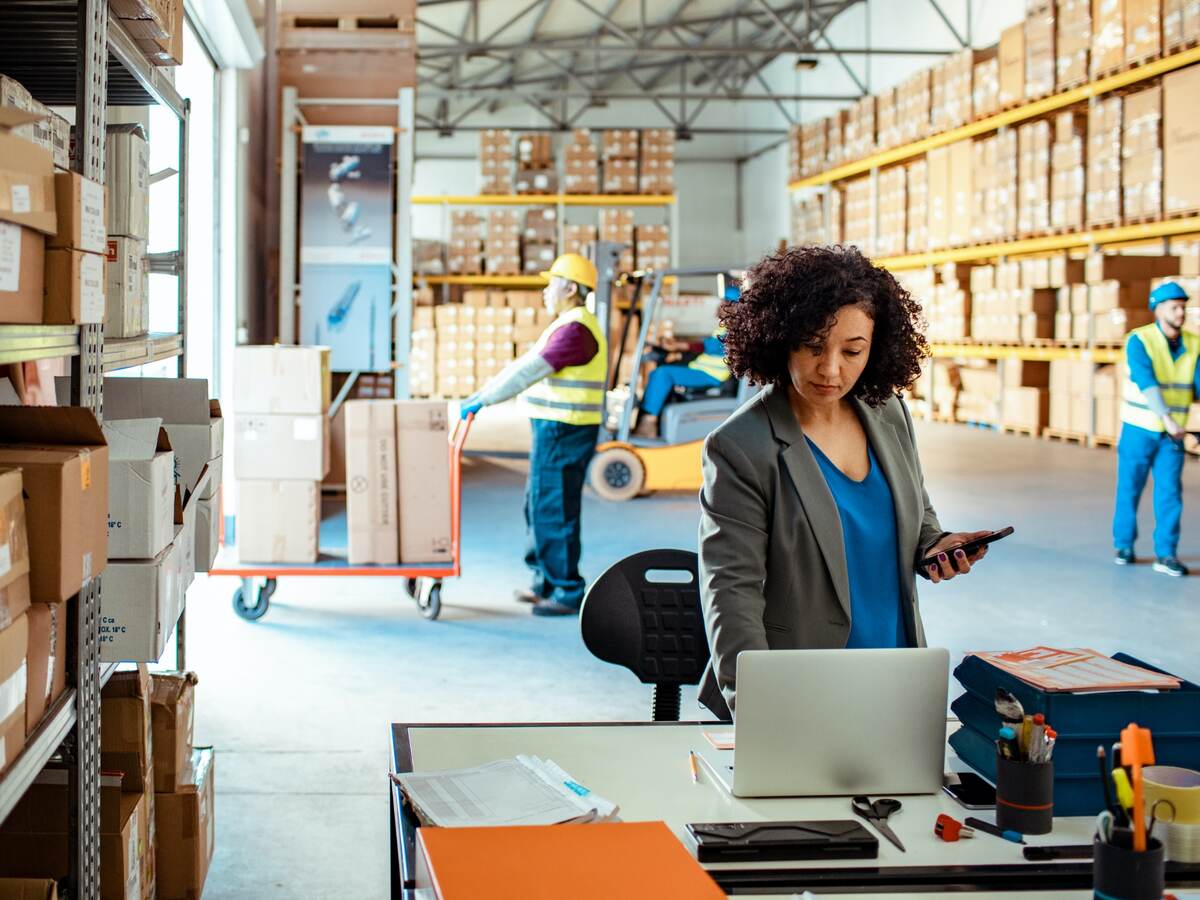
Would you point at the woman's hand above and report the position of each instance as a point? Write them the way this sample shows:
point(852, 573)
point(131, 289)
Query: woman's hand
point(952, 562)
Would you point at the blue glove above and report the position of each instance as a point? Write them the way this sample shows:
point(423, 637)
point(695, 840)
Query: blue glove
point(470, 407)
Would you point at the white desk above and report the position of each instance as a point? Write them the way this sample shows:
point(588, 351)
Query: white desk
point(643, 768)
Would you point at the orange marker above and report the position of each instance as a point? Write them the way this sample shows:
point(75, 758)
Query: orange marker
point(1137, 750)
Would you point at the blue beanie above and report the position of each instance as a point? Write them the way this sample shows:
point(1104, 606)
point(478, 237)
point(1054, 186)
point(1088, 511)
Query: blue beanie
point(1168, 290)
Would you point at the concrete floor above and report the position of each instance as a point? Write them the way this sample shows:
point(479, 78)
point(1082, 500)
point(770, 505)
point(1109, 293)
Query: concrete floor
point(298, 704)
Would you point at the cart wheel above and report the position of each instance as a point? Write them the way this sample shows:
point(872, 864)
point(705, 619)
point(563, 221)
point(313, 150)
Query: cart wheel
point(617, 474)
point(262, 598)
point(429, 600)
point(410, 588)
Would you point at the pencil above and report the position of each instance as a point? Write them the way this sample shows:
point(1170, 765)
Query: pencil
point(692, 766)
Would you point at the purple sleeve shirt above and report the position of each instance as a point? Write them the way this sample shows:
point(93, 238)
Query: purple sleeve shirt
point(570, 345)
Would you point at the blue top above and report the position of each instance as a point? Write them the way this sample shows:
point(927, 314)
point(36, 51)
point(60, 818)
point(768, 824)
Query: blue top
point(714, 346)
point(868, 517)
point(1141, 370)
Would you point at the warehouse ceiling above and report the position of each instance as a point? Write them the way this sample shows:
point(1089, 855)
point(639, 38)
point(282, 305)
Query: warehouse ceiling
point(565, 62)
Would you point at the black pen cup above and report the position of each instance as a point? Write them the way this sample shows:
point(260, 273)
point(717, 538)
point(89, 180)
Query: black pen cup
point(1024, 796)
point(1121, 873)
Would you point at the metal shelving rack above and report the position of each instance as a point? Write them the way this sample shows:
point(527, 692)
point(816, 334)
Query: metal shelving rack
point(70, 53)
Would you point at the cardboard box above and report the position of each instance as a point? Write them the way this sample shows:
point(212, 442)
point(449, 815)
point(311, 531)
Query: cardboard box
point(281, 447)
point(22, 285)
point(127, 177)
point(1104, 266)
point(1112, 326)
point(74, 288)
point(28, 889)
point(278, 521)
point(173, 714)
point(126, 306)
point(79, 205)
point(26, 175)
point(64, 462)
point(14, 601)
point(140, 605)
point(282, 380)
point(14, 644)
point(186, 831)
point(1026, 407)
point(125, 736)
point(1012, 65)
point(1181, 140)
point(14, 539)
point(371, 502)
point(185, 540)
point(208, 528)
point(424, 481)
point(141, 488)
point(193, 422)
point(46, 667)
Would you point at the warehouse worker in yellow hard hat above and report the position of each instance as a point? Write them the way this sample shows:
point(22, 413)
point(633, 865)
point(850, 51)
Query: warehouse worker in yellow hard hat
point(1163, 380)
point(563, 379)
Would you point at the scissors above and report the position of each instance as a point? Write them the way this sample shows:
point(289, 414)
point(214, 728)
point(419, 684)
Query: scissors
point(877, 813)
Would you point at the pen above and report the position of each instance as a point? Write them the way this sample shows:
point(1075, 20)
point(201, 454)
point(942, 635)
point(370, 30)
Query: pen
point(1051, 740)
point(1037, 739)
point(980, 825)
point(1007, 744)
point(1026, 736)
point(1058, 851)
point(1105, 783)
point(693, 767)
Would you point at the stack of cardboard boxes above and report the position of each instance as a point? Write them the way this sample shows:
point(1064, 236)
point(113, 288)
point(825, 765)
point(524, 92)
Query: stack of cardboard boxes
point(913, 102)
point(808, 219)
point(75, 268)
point(951, 182)
point(1181, 23)
point(887, 122)
point(616, 225)
point(42, 127)
point(835, 145)
point(814, 143)
point(857, 211)
point(795, 154)
point(422, 358)
point(985, 88)
point(1067, 172)
point(948, 307)
point(917, 219)
point(156, 26)
point(1026, 403)
point(619, 148)
point(1143, 31)
point(1181, 141)
point(127, 175)
point(535, 165)
point(1104, 162)
point(978, 399)
point(1141, 155)
point(502, 247)
point(893, 201)
point(994, 213)
point(577, 238)
point(1073, 39)
point(539, 238)
point(1033, 177)
point(465, 253)
point(860, 129)
point(951, 99)
point(1108, 37)
point(657, 162)
point(581, 164)
point(398, 479)
point(495, 161)
point(1040, 60)
point(652, 246)
point(281, 450)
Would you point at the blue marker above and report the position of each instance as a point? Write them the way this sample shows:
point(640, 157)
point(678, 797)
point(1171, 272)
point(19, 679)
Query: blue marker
point(1007, 745)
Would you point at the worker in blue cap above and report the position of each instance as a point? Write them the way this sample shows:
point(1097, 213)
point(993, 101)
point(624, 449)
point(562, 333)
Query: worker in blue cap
point(1163, 380)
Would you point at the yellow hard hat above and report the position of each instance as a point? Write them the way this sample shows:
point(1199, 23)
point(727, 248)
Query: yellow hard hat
point(574, 267)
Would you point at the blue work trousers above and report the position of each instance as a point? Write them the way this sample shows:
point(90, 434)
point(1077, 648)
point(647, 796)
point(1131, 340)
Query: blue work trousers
point(664, 378)
point(1141, 453)
point(558, 463)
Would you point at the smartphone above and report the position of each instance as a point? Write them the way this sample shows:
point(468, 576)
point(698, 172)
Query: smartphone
point(970, 790)
point(969, 547)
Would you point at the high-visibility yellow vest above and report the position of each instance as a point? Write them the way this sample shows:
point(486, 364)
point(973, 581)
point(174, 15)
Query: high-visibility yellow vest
point(711, 364)
point(574, 395)
point(1174, 377)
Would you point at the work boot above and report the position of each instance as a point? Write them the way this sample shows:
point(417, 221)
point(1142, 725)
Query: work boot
point(647, 426)
point(1124, 556)
point(1169, 565)
point(550, 608)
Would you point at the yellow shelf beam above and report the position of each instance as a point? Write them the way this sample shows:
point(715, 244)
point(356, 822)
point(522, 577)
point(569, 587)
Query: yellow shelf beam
point(512, 281)
point(1100, 355)
point(544, 199)
point(1032, 110)
point(1027, 246)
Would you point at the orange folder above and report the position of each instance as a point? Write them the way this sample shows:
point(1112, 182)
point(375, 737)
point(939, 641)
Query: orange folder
point(598, 861)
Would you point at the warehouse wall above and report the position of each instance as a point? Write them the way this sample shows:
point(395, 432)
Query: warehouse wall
point(765, 204)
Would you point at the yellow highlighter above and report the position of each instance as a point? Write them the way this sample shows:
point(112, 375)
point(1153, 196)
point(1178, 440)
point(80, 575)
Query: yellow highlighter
point(1124, 789)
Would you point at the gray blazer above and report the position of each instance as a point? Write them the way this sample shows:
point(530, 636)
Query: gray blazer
point(772, 558)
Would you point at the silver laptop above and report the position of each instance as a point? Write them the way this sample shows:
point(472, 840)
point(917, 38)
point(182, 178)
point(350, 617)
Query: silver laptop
point(837, 722)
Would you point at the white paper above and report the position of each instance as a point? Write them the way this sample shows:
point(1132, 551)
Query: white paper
point(306, 429)
point(10, 257)
point(21, 202)
point(91, 289)
point(93, 235)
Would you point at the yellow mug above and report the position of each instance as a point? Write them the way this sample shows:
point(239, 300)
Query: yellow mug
point(1180, 787)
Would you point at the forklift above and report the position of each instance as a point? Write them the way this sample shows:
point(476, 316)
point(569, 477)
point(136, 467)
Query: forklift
point(627, 466)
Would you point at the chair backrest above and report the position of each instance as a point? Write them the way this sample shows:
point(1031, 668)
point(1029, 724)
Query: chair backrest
point(644, 614)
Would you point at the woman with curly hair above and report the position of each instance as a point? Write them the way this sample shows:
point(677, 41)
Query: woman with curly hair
point(814, 513)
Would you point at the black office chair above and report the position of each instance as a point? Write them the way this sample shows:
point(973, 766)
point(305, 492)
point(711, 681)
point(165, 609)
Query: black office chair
point(644, 614)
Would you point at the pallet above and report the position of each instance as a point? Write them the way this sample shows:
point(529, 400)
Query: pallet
point(1068, 437)
point(1100, 440)
point(1181, 213)
point(1180, 46)
point(1022, 430)
point(348, 23)
point(1144, 220)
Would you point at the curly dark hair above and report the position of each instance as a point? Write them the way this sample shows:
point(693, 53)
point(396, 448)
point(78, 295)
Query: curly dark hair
point(788, 301)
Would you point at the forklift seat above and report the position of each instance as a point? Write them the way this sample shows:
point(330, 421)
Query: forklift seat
point(681, 394)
